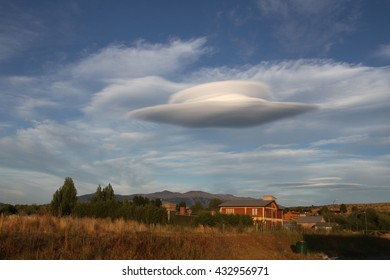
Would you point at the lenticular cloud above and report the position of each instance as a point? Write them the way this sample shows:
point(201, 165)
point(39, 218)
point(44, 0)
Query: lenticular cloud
point(221, 104)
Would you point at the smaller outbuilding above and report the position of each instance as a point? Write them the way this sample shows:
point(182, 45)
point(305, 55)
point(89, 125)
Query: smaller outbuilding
point(325, 226)
point(309, 222)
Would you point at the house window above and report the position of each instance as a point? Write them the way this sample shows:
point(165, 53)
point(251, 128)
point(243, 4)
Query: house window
point(230, 211)
point(254, 212)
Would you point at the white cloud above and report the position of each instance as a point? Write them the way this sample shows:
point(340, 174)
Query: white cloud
point(221, 104)
point(141, 59)
point(28, 108)
point(90, 155)
point(27, 186)
point(383, 51)
point(275, 146)
point(329, 84)
point(117, 98)
point(325, 179)
point(340, 140)
point(110, 79)
point(18, 30)
point(328, 186)
point(303, 26)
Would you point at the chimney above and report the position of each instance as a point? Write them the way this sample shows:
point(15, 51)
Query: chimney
point(269, 197)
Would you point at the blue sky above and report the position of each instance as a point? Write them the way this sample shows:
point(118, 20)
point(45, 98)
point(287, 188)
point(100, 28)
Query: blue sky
point(288, 98)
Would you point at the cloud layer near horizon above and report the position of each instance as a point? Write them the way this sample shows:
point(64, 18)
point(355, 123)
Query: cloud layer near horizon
point(235, 104)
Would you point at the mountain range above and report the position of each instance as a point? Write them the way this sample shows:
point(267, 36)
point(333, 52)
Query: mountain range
point(190, 198)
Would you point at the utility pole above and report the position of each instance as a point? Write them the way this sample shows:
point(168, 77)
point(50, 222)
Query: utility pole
point(365, 219)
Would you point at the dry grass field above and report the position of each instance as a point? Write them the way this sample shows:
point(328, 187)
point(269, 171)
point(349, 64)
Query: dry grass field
point(51, 238)
point(47, 237)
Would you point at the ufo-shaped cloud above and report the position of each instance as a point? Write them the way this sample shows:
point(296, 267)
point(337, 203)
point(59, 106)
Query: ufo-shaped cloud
point(221, 104)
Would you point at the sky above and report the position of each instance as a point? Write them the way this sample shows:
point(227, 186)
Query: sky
point(250, 98)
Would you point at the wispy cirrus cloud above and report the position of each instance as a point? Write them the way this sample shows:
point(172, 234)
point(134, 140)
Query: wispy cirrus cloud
point(139, 60)
point(17, 30)
point(383, 51)
point(308, 26)
point(329, 84)
point(340, 140)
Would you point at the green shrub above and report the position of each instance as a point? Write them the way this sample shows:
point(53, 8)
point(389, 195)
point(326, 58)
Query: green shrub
point(222, 219)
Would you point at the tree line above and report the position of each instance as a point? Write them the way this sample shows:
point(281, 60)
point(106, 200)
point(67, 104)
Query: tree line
point(358, 219)
point(150, 211)
point(142, 209)
point(104, 205)
point(361, 220)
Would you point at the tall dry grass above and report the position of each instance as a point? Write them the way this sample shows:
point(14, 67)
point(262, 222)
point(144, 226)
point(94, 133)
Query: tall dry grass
point(48, 237)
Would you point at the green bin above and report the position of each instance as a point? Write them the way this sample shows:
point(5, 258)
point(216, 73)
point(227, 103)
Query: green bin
point(301, 247)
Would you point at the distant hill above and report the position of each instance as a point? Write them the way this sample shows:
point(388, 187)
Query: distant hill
point(380, 206)
point(190, 198)
point(383, 207)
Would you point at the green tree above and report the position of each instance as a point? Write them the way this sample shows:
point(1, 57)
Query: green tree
point(7, 209)
point(64, 199)
point(197, 207)
point(98, 196)
point(324, 210)
point(214, 204)
point(157, 202)
point(140, 200)
point(105, 194)
point(384, 221)
point(343, 208)
point(108, 193)
point(354, 209)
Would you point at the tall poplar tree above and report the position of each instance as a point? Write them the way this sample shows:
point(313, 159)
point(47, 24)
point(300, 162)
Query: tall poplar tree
point(108, 193)
point(64, 199)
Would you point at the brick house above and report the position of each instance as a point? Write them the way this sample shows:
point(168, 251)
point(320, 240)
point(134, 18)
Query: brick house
point(291, 215)
point(265, 210)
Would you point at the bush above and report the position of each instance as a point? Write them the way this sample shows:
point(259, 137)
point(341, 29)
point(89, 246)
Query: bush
point(149, 214)
point(222, 219)
point(359, 220)
point(7, 209)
